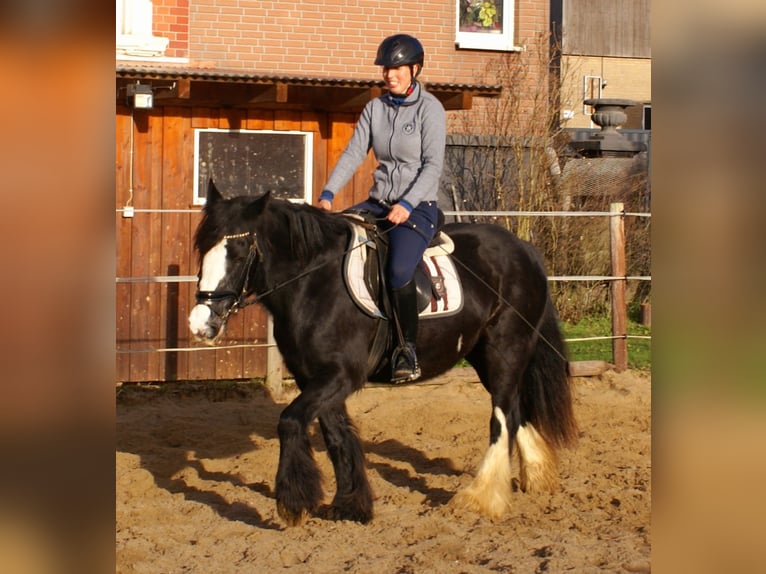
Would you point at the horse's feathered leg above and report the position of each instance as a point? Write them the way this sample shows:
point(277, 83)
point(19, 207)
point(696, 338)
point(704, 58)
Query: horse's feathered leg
point(501, 359)
point(500, 370)
point(353, 497)
point(526, 374)
point(537, 461)
point(490, 491)
point(298, 485)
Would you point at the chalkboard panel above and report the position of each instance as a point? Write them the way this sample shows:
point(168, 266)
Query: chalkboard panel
point(252, 162)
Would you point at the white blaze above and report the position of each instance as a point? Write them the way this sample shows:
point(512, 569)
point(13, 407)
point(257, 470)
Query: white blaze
point(213, 267)
point(213, 272)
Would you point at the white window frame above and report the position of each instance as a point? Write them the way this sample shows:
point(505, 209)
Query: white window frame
point(200, 173)
point(134, 20)
point(644, 109)
point(499, 39)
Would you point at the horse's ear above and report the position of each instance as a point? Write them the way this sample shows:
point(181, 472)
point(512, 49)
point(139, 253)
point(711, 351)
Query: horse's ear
point(213, 194)
point(257, 206)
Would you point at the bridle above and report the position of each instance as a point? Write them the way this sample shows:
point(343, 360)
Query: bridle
point(239, 298)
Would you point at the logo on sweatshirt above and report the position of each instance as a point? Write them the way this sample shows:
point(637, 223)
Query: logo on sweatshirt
point(408, 128)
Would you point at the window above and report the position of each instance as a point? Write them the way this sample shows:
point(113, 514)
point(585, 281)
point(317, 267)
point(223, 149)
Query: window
point(485, 25)
point(252, 162)
point(646, 117)
point(134, 30)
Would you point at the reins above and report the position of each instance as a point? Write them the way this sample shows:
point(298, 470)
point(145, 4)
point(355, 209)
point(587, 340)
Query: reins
point(499, 296)
point(242, 300)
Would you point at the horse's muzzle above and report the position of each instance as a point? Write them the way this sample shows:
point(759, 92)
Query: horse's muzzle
point(205, 325)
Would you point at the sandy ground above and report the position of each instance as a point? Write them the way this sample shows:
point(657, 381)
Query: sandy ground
point(196, 465)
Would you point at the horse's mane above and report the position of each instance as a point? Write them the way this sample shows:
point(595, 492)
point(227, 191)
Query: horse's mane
point(305, 230)
point(298, 231)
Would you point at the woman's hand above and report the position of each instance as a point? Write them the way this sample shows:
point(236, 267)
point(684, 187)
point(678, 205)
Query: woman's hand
point(398, 214)
point(324, 205)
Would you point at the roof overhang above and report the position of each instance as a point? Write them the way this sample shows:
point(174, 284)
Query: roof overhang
point(174, 86)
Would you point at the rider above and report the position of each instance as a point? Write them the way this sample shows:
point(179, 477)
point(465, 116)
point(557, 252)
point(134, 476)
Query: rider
point(406, 129)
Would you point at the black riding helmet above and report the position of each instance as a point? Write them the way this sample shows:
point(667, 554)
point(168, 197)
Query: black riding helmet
point(400, 50)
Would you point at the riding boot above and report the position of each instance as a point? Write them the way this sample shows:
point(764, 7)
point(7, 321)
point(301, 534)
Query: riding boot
point(404, 362)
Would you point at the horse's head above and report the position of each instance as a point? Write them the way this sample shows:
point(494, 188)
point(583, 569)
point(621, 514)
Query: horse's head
point(228, 252)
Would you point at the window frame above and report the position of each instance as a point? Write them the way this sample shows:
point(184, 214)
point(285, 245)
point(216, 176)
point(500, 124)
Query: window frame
point(646, 114)
point(135, 31)
point(501, 40)
point(200, 187)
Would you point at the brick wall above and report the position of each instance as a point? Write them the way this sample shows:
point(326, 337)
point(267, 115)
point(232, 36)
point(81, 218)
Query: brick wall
point(339, 38)
point(324, 37)
point(170, 19)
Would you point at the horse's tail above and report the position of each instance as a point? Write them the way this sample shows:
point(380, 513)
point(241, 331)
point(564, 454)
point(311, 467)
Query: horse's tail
point(546, 398)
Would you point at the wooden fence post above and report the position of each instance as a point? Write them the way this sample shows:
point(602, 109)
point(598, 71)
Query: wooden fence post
point(273, 360)
point(619, 305)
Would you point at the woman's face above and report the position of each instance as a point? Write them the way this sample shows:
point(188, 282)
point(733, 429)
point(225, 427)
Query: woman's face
point(397, 79)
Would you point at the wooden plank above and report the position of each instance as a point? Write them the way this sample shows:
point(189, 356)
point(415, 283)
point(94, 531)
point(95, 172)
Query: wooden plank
point(229, 361)
point(618, 287)
point(363, 178)
point(316, 123)
point(175, 193)
point(153, 198)
point(187, 226)
point(123, 241)
point(232, 119)
point(260, 120)
point(341, 129)
point(287, 120)
point(204, 117)
point(141, 244)
point(588, 368)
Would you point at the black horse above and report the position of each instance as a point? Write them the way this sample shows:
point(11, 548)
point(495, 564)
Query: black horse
point(290, 256)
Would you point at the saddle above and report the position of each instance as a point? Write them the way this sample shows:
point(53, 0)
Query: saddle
point(439, 292)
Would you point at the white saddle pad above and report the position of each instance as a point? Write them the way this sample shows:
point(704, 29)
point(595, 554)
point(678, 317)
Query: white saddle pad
point(436, 260)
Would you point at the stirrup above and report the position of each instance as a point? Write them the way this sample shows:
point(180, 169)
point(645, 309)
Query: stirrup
point(405, 365)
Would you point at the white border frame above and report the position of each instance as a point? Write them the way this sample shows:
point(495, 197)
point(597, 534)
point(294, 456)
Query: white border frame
point(500, 41)
point(308, 148)
point(645, 107)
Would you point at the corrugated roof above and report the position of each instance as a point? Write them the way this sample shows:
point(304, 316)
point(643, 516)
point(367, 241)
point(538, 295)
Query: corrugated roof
point(173, 72)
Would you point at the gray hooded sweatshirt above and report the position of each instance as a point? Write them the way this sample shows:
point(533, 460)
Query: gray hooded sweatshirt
point(408, 140)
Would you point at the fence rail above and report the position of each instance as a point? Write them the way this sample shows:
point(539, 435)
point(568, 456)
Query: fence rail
point(617, 279)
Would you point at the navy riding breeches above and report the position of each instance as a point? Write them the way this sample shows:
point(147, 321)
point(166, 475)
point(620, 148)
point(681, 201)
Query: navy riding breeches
point(407, 241)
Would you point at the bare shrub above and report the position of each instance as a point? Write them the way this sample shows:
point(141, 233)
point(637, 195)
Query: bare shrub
point(509, 154)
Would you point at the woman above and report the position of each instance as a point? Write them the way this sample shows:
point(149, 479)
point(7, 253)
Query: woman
point(406, 129)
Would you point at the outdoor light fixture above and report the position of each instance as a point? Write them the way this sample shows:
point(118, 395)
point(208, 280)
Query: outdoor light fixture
point(139, 96)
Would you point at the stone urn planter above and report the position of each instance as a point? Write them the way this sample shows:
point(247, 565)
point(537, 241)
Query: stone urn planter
point(609, 114)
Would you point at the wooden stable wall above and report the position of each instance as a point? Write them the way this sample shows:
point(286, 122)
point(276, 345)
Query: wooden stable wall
point(157, 242)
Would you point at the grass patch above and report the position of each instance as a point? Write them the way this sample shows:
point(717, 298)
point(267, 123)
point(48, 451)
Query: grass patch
point(639, 350)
